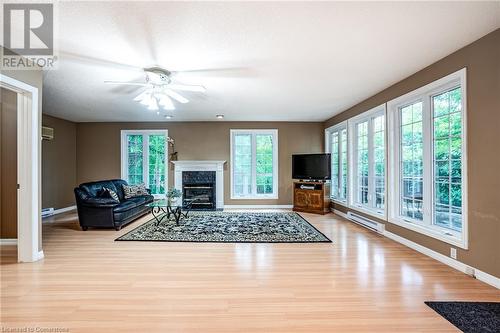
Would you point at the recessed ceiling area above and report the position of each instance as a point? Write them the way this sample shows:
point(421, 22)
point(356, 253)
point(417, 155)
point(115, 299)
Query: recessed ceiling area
point(261, 61)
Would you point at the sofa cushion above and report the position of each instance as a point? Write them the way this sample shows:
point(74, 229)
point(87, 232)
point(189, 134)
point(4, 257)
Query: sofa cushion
point(142, 199)
point(129, 214)
point(119, 188)
point(124, 206)
point(93, 189)
point(109, 193)
point(134, 190)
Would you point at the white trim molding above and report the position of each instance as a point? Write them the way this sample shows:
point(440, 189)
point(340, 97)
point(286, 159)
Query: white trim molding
point(367, 117)
point(28, 167)
point(217, 166)
point(275, 174)
point(336, 190)
point(425, 225)
point(458, 265)
point(145, 153)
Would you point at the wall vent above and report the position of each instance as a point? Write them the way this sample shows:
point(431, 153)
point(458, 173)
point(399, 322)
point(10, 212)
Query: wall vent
point(47, 133)
point(366, 222)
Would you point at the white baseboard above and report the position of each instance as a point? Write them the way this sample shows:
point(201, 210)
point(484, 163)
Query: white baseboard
point(8, 241)
point(458, 265)
point(258, 206)
point(474, 272)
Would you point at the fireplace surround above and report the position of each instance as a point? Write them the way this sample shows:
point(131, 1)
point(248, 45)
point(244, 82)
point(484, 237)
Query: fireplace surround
point(183, 169)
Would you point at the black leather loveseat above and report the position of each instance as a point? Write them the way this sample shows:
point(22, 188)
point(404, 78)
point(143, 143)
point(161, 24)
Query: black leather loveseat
point(95, 210)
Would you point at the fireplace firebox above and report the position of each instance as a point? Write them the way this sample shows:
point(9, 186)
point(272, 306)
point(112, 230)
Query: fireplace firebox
point(199, 186)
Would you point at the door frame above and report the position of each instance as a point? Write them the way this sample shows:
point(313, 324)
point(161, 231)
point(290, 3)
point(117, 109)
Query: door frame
point(28, 169)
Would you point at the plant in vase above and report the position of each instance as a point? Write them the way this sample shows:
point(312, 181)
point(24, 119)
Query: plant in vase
point(172, 195)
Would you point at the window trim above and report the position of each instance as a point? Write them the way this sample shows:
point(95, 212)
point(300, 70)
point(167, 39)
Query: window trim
point(352, 144)
point(123, 157)
point(254, 195)
point(328, 133)
point(425, 93)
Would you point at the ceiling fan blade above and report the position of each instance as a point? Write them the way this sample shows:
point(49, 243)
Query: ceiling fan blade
point(220, 72)
point(128, 83)
point(187, 87)
point(97, 61)
point(176, 96)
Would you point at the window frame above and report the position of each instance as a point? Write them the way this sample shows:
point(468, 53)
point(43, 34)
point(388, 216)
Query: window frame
point(425, 94)
point(253, 133)
point(145, 147)
point(328, 137)
point(368, 117)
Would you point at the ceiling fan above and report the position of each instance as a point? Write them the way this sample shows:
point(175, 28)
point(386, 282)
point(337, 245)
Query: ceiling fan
point(160, 89)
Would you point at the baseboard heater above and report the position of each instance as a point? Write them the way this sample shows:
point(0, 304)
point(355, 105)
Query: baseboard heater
point(366, 222)
point(46, 212)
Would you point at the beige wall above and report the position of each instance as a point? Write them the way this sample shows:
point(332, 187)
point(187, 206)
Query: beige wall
point(98, 146)
point(59, 164)
point(482, 59)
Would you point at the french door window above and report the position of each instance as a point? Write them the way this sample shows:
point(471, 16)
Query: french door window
point(368, 161)
point(254, 164)
point(144, 158)
point(428, 160)
point(336, 143)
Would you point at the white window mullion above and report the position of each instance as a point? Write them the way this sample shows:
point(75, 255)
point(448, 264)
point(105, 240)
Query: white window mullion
point(254, 164)
point(428, 165)
point(145, 158)
point(371, 165)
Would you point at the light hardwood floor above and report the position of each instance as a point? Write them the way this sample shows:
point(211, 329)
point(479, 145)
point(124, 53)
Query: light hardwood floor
point(362, 282)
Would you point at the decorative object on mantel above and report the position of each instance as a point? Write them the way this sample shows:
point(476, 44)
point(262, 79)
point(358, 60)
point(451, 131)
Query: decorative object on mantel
point(173, 195)
point(171, 143)
point(230, 227)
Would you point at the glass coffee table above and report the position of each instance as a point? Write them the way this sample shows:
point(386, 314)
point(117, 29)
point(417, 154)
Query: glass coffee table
point(162, 210)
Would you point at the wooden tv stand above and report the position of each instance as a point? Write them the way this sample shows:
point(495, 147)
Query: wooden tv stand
point(311, 197)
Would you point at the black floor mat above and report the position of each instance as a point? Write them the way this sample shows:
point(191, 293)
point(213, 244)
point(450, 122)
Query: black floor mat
point(470, 317)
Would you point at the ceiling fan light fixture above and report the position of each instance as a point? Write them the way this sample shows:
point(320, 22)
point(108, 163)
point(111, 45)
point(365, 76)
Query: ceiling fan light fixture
point(153, 105)
point(219, 116)
point(166, 102)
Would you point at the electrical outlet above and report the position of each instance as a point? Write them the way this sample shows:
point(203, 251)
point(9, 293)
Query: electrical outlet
point(453, 252)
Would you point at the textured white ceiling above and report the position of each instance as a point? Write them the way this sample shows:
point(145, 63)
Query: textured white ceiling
point(288, 61)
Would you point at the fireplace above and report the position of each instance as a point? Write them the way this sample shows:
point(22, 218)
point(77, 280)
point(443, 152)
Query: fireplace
point(200, 186)
point(216, 167)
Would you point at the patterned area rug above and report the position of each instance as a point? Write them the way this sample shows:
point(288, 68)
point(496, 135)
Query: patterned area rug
point(470, 317)
point(230, 227)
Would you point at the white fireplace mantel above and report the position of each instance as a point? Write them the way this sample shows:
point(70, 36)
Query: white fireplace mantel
point(217, 166)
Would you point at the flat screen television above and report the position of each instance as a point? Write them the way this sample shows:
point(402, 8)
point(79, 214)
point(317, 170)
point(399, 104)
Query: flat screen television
point(311, 166)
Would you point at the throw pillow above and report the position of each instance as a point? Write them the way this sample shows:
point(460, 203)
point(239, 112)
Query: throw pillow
point(109, 193)
point(131, 191)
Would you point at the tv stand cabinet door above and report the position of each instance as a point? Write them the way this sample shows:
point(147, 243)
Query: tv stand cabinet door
point(316, 200)
point(301, 199)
